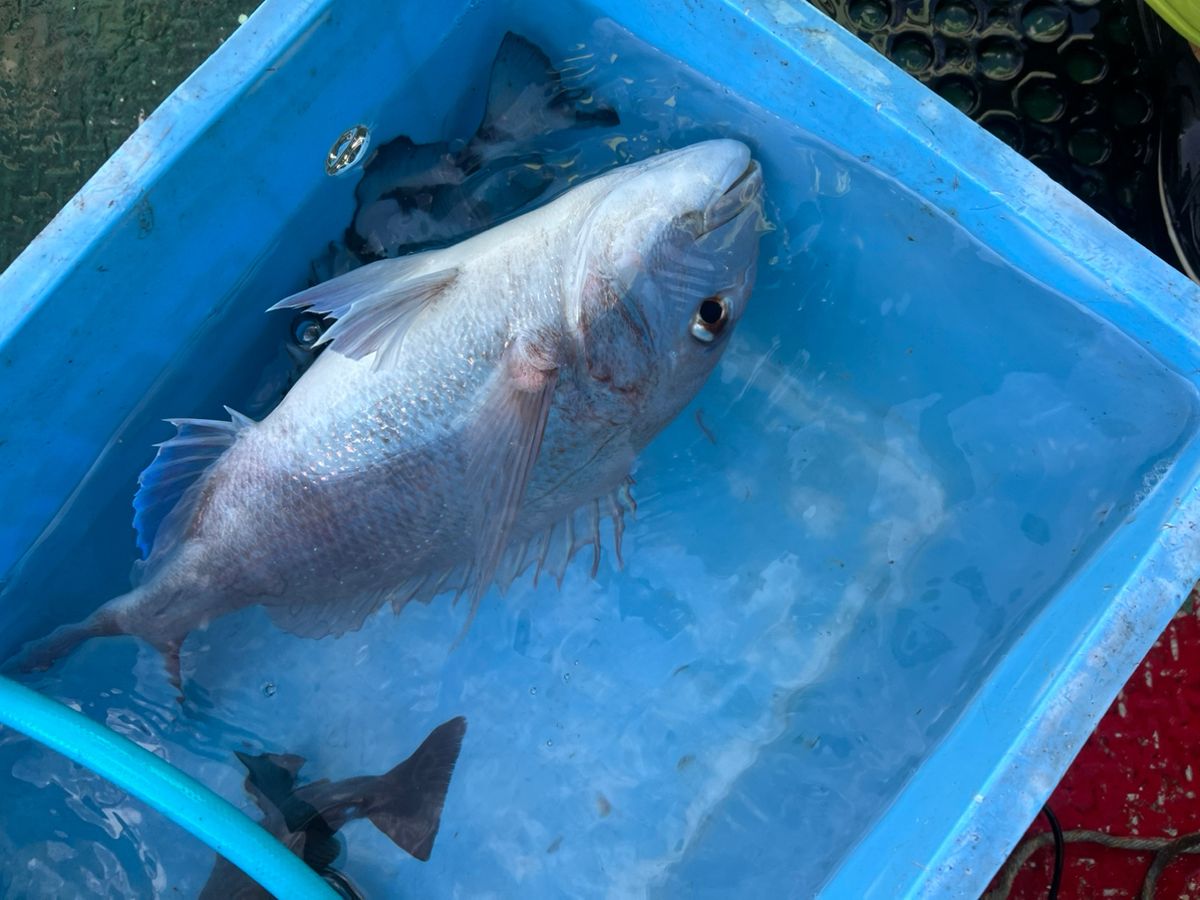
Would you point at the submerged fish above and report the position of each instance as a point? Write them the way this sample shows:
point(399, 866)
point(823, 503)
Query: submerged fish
point(415, 196)
point(537, 124)
point(478, 411)
point(404, 803)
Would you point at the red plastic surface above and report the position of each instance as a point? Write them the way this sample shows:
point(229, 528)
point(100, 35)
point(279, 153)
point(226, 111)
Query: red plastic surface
point(1138, 774)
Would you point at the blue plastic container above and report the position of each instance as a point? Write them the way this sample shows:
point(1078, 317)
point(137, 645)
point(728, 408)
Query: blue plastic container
point(951, 476)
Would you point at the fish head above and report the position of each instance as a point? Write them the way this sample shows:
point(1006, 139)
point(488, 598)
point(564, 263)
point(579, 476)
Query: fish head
point(669, 249)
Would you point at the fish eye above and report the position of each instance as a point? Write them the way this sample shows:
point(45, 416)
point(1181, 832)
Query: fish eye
point(710, 318)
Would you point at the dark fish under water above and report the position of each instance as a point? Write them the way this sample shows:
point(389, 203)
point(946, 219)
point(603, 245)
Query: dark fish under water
point(478, 412)
point(404, 803)
point(417, 196)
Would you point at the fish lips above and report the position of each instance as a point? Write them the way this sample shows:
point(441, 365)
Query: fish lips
point(743, 195)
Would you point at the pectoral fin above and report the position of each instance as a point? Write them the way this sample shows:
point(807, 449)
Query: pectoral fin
point(502, 448)
point(375, 305)
point(270, 778)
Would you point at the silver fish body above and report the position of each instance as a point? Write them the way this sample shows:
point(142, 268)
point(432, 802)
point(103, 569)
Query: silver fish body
point(478, 411)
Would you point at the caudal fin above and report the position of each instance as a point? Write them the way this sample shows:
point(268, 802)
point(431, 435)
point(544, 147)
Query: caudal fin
point(107, 621)
point(408, 807)
point(40, 654)
point(528, 98)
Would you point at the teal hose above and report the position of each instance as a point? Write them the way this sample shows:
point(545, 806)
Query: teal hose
point(177, 796)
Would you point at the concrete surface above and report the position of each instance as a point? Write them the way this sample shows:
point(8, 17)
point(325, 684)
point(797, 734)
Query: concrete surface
point(75, 80)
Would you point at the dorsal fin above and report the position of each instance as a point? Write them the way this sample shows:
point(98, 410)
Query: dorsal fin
point(167, 487)
point(374, 305)
point(550, 551)
point(553, 550)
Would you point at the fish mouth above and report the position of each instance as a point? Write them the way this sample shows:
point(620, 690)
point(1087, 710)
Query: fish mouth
point(744, 193)
point(752, 174)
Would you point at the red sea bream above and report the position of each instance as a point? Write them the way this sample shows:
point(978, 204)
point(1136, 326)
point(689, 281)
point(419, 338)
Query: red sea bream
point(477, 412)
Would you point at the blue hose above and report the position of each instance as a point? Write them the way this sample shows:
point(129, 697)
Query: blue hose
point(177, 796)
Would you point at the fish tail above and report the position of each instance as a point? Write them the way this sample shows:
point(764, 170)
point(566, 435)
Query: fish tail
point(42, 653)
point(407, 803)
point(115, 617)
